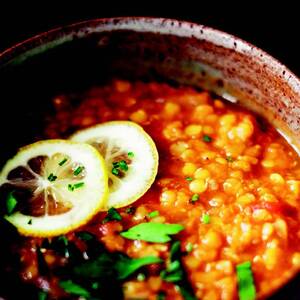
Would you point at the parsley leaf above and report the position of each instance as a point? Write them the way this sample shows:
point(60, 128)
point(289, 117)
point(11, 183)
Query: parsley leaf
point(72, 288)
point(11, 203)
point(72, 187)
point(61, 163)
point(107, 264)
point(195, 197)
point(229, 159)
point(130, 210)
point(126, 266)
point(52, 177)
point(175, 272)
point(152, 232)
point(245, 281)
point(153, 214)
point(112, 215)
point(130, 154)
point(206, 219)
point(207, 138)
point(42, 295)
point(189, 247)
point(100, 267)
point(78, 170)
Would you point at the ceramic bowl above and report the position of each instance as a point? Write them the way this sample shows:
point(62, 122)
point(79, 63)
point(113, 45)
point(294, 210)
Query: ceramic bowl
point(72, 58)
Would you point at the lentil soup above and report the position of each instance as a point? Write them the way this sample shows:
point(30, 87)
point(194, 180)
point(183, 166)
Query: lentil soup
point(224, 174)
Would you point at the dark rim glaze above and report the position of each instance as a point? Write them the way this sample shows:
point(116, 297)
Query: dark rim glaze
point(267, 83)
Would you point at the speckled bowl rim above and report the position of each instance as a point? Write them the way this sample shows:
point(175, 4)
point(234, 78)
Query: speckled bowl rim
point(149, 24)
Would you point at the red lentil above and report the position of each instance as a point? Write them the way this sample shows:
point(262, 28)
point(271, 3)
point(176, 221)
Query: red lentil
point(247, 178)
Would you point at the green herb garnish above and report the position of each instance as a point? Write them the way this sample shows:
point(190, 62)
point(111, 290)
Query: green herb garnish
point(72, 187)
point(153, 214)
point(63, 239)
point(188, 178)
point(130, 210)
point(175, 272)
point(246, 287)
point(61, 163)
point(161, 296)
point(195, 198)
point(140, 277)
point(189, 247)
point(95, 285)
point(123, 165)
point(126, 266)
point(52, 177)
point(84, 236)
point(11, 203)
point(229, 158)
point(42, 295)
point(112, 215)
point(119, 165)
point(152, 232)
point(130, 154)
point(72, 288)
point(206, 219)
point(29, 222)
point(207, 138)
point(78, 170)
point(115, 171)
point(118, 264)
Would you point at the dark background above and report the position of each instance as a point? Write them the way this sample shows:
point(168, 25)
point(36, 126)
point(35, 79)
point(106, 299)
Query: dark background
point(274, 28)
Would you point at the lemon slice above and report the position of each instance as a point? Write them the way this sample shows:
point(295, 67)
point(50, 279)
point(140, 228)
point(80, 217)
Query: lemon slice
point(53, 186)
point(130, 155)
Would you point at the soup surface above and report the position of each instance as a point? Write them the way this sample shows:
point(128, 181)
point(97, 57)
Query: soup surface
point(224, 174)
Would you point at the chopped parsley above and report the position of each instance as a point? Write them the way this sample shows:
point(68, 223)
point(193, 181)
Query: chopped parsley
point(115, 171)
point(130, 210)
point(207, 138)
point(153, 214)
point(123, 165)
point(65, 245)
point(78, 170)
point(11, 203)
point(127, 266)
point(175, 272)
point(152, 232)
point(63, 239)
point(119, 264)
point(161, 296)
point(61, 163)
point(112, 215)
point(84, 236)
point(246, 287)
point(229, 158)
point(52, 177)
point(206, 219)
point(194, 198)
point(188, 178)
point(29, 222)
point(140, 277)
point(119, 166)
point(42, 295)
point(95, 285)
point(130, 154)
point(72, 187)
point(73, 288)
point(189, 247)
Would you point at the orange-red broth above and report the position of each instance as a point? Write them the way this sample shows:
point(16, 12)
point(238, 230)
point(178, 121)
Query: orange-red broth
point(247, 178)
